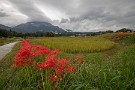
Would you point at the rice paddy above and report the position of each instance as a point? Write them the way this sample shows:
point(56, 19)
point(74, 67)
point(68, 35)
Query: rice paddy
point(76, 44)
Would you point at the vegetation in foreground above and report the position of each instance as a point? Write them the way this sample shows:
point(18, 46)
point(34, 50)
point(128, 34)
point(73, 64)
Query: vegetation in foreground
point(107, 70)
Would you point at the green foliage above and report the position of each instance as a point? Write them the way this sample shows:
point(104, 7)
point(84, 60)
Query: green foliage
point(9, 40)
point(109, 31)
point(6, 33)
point(100, 71)
point(49, 34)
point(130, 39)
point(124, 30)
point(10, 34)
point(116, 37)
point(116, 74)
point(7, 71)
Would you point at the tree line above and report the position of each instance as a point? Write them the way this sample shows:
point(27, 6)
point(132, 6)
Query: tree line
point(11, 33)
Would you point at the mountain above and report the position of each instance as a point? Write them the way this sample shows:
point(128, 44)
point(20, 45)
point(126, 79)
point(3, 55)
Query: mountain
point(32, 27)
point(4, 27)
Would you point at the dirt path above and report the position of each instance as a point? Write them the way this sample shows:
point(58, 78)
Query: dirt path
point(6, 49)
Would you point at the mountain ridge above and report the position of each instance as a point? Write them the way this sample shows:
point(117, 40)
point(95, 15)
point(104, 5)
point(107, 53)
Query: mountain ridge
point(33, 27)
point(4, 27)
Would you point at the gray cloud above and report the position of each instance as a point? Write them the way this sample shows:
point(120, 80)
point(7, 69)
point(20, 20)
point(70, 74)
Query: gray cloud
point(64, 20)
point(81, 15)
point(28, 8)
point(109, 13)
point(3, 14)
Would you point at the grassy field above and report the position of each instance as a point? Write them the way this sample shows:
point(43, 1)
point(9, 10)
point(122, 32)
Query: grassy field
point(111, 69)
point(8, 40)
point(77, 44)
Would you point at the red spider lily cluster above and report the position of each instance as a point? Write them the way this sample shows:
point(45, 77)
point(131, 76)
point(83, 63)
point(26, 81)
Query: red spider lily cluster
point(59, 66)
point(29, 51)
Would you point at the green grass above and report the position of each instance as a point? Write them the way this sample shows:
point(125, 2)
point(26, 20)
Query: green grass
point(7, 69)
point(130, 39)
point(113, 69)
point(8, 40)
point(115, 36)
point(76, 45)
point(115, 74)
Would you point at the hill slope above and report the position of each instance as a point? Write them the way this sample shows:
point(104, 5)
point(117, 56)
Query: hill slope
point(31, 27)
point(4, 27)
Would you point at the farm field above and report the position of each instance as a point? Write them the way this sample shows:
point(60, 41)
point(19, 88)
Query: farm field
point(76, 44)
point(8, 40)
point(104, 62)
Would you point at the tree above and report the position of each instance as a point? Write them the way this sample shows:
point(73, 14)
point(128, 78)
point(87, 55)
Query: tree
point(49, 34)
point(124, 30)
point(109, 31)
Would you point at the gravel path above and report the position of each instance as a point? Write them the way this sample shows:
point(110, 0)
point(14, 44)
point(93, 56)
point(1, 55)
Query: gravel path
point(6, 49)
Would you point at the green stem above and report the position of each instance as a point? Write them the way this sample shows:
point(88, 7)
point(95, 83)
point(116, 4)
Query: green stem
point(65, 84)
point(43, 80)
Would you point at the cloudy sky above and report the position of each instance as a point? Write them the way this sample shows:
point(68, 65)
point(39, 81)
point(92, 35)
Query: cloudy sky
point(78, 15)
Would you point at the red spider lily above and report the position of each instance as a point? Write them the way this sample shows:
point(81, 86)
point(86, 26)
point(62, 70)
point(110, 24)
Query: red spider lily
point(70, 59)
point(23, 55)
point(49, 64)
point(52, 57)
point(29, 51)
point(56, 51)
point(62, 62)
point(60, 71)
point(59, 66)
point(41, 48)
point(79, 56)
point(25, 42)
point(24, 63)
point(71, 69)
point(38, 50)
point(79, 61)
point(30, 62)
point(53, 78)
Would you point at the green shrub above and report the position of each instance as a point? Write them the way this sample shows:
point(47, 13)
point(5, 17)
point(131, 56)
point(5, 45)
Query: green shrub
point(130, 39)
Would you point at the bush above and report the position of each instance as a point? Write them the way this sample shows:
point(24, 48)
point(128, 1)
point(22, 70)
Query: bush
point(130, 39)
